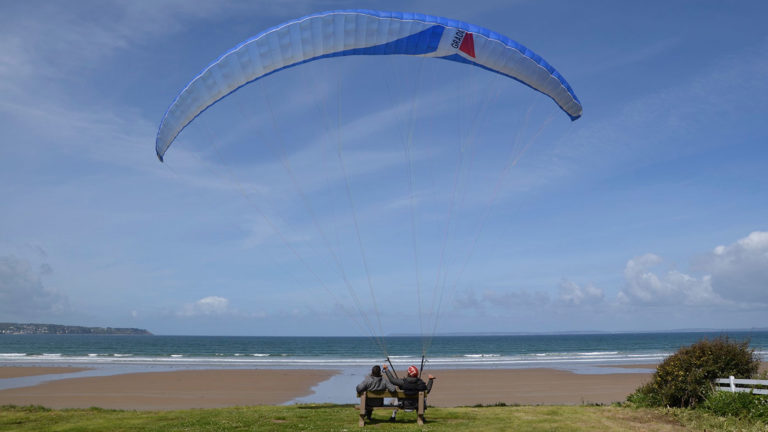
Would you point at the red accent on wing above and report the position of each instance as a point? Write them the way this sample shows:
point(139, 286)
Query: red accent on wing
point(468, 45)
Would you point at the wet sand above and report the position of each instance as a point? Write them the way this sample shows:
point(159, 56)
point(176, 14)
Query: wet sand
point(632, 366)
point(25, 371)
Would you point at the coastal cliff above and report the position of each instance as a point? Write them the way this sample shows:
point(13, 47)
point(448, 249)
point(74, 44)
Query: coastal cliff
point(30, 328)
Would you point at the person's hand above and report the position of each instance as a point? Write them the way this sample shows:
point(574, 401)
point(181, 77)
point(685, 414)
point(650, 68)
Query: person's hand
point(384, 367)
point(430, 376)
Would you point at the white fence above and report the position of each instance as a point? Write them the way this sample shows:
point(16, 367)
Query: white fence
point(732, 384)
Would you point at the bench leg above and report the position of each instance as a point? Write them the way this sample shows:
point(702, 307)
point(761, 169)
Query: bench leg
point(420, 412)
point(361, 423)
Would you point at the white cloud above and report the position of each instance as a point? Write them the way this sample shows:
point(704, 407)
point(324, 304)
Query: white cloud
point(735, 275)
point(572, 294)
point(569, 295)
point(739, 271)
point(207, 306)
point(643, 286)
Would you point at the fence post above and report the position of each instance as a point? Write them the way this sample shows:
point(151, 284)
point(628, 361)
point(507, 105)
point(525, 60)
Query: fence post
point(733, 384)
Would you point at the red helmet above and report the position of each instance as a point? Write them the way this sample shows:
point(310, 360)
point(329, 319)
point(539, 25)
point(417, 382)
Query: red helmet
point(413, 371)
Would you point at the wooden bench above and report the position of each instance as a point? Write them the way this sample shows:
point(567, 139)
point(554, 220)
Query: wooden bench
point(396, 394)
point(741, 385)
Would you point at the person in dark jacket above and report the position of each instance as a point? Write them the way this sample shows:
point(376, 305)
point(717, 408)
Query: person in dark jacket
point(374, 382)
point(411, 386)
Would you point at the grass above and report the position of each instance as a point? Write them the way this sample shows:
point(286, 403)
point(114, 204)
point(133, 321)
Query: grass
point(344, 418)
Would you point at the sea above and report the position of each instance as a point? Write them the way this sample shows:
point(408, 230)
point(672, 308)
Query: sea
point(353, 357)
point(475, 351)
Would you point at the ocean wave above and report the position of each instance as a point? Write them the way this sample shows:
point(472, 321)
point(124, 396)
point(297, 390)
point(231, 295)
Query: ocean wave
point(597, 353)
point(258, 359)
point(472, 360)
point(256, 352)
point(481, 355)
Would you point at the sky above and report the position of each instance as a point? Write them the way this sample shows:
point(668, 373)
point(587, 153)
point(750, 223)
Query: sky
point(373, 196)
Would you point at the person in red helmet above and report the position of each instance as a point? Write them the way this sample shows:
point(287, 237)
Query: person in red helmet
point(411, 386)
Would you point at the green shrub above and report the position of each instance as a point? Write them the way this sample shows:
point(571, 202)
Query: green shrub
point(742, 405)
point(685, 378)
point(646, 396)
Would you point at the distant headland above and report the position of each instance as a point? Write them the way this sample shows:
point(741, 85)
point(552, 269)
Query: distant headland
point(30, 328)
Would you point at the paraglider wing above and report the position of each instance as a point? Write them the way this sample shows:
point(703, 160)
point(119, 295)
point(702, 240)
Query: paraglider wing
point(361, 32)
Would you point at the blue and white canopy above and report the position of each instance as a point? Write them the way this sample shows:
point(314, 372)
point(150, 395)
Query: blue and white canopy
point(361, 32)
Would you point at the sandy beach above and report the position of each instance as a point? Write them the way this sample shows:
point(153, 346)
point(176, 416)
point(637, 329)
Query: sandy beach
point(236, 387)
point(531, 387)
point(220, 388)
point(170, 390)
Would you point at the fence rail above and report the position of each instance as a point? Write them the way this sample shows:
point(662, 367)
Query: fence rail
point(734, 385)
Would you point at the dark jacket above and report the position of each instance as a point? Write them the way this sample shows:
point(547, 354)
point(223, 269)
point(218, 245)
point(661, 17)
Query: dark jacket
point(411, 386)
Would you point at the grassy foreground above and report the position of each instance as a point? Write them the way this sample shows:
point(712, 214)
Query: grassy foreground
point(344, 418)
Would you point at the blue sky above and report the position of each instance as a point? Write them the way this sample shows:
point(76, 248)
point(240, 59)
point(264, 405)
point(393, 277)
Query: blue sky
point(649, 213)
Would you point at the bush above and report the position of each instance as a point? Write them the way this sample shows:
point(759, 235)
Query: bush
point(741, 404)
point(646, 396)
point(685, 378)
